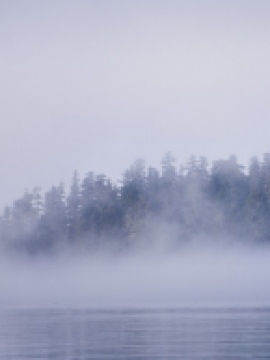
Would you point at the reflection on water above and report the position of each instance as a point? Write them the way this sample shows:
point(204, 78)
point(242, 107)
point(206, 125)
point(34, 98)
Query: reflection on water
point(196, 333)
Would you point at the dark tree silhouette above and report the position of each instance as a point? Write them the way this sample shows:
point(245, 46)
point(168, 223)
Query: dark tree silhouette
point(198, 201)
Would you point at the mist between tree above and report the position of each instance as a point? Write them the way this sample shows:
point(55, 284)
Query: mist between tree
point(191, 202)
point(189, 234)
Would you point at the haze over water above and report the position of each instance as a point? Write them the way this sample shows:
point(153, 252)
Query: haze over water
point(192, 275)
point(92, 86)
point(200, 303)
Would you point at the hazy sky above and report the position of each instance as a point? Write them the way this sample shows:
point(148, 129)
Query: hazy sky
point(93, 85)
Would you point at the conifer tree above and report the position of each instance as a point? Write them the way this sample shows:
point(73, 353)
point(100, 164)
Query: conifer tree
point(74, 208)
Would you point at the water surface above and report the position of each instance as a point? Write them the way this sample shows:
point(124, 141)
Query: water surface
point(135, 333)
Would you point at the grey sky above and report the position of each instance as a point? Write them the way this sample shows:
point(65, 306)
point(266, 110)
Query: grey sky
point(93, 85)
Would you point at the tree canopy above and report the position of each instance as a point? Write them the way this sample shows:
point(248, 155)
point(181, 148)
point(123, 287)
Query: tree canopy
point(194, 199)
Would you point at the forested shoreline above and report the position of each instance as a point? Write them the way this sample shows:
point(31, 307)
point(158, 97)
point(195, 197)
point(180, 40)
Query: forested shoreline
point(194, 200)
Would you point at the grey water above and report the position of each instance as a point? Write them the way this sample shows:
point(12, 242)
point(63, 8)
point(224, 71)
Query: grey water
point(135, 333)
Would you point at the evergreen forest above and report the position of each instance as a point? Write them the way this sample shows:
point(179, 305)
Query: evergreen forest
point(193, 201)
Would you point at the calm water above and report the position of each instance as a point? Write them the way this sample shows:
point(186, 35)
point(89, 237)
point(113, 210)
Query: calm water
point(177, 333)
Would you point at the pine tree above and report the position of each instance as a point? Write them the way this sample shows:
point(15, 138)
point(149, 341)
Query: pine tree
point(74, 208)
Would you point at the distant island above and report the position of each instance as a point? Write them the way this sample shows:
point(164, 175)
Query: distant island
point(194, 201)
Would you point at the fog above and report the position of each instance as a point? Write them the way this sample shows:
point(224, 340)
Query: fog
point(94, 85)
point(191, 276)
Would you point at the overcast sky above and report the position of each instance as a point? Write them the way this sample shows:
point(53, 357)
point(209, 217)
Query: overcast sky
point(93, 85)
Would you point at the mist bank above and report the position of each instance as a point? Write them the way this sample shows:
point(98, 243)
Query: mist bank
point(195, 276)
point(146, 207)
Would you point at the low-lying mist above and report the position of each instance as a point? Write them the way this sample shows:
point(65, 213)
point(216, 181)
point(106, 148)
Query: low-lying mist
point(192, 275)
point(192, 236)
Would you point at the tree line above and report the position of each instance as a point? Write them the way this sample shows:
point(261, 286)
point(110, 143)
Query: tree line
point(195, 200)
